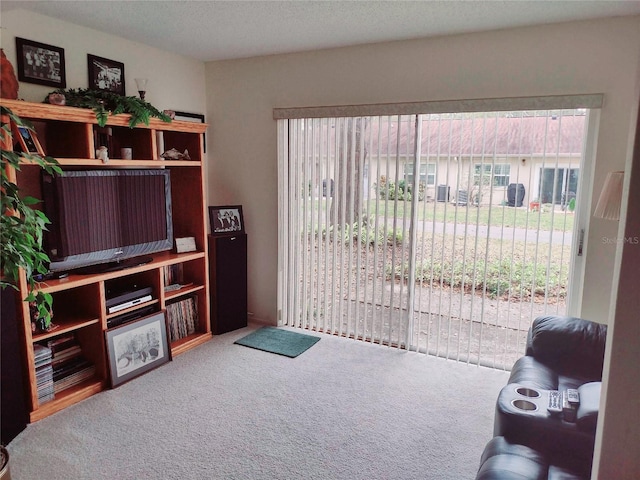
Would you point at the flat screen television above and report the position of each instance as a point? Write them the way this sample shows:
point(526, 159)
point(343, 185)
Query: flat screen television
point(103, 220)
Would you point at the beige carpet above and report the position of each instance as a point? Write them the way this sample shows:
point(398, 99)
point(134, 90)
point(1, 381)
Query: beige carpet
point(341, 410)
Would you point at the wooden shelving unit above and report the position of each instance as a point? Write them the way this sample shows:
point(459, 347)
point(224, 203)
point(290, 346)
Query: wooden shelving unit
point(67, 134)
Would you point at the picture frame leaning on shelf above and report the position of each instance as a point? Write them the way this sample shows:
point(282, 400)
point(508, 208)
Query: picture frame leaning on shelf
point(137, 347)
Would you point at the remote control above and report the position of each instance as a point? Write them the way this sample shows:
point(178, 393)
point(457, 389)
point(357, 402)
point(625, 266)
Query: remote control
point(568, 409)
point(172, 287)
point(573, 396)
point(555, 402)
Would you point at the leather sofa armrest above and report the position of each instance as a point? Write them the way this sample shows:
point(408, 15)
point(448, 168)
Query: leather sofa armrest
point(587, 414)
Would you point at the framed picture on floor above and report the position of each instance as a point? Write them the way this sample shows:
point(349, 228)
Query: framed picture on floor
point(137, 347)
point(226, 220)
point(105, 74)
point(40, 63)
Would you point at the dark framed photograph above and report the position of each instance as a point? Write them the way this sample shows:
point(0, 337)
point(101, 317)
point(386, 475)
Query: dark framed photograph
point(137, 347)
point(192, 117)
point(226, 220)
point(105, 74)
point(40, 63)
point(26, 140)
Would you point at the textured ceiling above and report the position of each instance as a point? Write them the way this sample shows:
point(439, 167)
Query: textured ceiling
point(216, 30)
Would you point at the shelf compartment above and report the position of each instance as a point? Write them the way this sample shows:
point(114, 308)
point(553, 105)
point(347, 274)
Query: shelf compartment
point(61, 139)
point(187, 343)
point(68, 397)
point(181, 141)
point(115, 138)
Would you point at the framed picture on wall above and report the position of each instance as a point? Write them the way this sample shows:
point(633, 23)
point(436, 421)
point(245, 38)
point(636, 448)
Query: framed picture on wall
point(137, 347)
point(105, 74)
point(40, 63)
point(226, 220)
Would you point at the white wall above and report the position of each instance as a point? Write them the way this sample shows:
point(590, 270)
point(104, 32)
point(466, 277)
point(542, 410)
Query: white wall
point(175, 82)
point(600, 56)
point(581, 57)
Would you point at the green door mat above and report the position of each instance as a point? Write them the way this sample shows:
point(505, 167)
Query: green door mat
point(277, 340)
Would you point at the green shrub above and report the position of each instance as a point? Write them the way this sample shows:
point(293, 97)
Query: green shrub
point(498, 278)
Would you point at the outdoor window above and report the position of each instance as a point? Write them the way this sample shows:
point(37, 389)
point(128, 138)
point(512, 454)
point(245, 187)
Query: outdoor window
point(488, 174)
point(427, 173)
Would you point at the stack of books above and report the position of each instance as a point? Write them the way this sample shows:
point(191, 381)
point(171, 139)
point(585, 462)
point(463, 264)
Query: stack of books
point(44, 373)
point(69, 366)
point(182, 317)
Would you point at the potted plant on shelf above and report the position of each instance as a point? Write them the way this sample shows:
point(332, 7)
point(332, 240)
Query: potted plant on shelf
point(104, 103)
point(22, 226)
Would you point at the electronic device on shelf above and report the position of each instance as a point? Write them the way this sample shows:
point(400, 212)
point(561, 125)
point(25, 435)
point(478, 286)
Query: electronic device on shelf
point(129, 316)
point(121, 300)
point(103, 220)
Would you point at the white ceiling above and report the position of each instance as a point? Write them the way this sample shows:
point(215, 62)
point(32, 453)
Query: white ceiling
point(216, 30)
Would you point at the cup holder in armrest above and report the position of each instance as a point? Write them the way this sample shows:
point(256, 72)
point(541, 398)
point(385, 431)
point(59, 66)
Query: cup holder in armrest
point(528, 392)
point(524, 405)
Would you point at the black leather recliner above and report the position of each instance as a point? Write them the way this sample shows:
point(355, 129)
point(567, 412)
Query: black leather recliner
point(561, 353)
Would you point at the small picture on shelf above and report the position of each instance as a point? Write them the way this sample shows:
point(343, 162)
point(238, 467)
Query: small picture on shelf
point(137, 347)
point(26, 140)
point(226, 220)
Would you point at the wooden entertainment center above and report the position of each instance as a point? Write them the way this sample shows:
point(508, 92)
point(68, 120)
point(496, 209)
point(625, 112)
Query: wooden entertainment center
point(79, 307)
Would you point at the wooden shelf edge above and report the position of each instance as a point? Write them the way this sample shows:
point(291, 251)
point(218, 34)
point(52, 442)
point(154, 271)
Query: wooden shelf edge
point(185, 344)
point(68, 397)
point(46, 111)
point(183, 291)
point(64, 327)
point(114, 162)
point(75, 280)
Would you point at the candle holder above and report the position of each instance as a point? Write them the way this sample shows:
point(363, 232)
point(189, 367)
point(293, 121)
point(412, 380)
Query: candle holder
point(142, 86)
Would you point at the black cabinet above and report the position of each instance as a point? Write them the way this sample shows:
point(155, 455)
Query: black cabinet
point(228, 282)
point(14, 413)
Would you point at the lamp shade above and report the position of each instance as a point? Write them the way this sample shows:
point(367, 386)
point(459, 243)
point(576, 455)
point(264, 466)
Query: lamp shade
point(610, 200)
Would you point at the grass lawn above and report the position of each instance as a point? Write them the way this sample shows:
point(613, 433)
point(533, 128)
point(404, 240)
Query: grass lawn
point(547, 219)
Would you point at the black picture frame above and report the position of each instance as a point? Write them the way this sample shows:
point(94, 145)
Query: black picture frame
point(40, 63)
point(192, 117)
point(105, 74)
point(226, 220)
point(137, 347)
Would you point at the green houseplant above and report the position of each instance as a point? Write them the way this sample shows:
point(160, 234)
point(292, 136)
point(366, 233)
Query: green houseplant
point(104, 103)
point(22, 225)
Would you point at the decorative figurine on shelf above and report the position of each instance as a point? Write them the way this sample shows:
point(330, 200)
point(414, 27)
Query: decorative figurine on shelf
point(57, 99)
point(102, 154)
point(174, 154)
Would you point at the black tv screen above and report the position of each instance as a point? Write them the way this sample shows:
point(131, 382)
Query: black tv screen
point(106, 216)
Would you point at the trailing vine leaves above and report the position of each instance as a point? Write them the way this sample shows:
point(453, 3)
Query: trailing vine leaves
point(21, 226)
point(104, 103)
